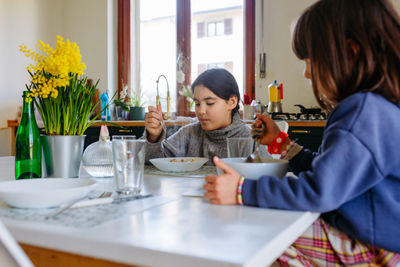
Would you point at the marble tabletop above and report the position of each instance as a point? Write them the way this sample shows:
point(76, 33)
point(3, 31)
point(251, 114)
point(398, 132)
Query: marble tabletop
point(174, 227)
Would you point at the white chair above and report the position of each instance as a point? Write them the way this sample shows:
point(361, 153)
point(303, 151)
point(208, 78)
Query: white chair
point(283, 126)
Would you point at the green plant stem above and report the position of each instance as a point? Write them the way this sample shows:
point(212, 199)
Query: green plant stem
point(69, 113)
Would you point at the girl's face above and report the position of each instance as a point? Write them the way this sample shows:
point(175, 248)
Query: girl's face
point(212, 111)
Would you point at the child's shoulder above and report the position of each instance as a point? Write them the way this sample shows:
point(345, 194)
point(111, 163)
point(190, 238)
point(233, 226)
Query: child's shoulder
point(363, 109)
point(366, 102)
point(347, 110)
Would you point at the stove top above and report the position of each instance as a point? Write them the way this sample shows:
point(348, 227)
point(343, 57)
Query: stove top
point(298, 116)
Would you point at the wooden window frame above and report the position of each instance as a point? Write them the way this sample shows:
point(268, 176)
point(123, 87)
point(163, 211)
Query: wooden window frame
point(183, 45)
point(250, 47)
point(124, 44)
point(183, 18)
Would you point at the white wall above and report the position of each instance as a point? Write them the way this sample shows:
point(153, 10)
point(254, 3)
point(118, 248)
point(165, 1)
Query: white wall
point(282, 65)
point(85, 22)
point(396, 4)
point(22, 21)
point(26, 21)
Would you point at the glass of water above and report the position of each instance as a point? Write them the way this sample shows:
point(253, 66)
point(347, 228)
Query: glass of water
point(128, 158)
point(239, 147)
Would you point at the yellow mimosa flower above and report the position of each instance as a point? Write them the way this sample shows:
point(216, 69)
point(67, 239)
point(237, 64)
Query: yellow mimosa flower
point(58, 88)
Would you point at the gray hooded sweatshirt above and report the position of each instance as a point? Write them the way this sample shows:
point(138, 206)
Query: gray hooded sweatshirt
point(192, 141)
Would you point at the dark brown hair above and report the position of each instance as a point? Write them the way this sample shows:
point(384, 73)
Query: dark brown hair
point(221, 82)
point(353, 46)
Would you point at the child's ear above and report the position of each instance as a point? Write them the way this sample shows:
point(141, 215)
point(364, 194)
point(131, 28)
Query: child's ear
point(232, 102)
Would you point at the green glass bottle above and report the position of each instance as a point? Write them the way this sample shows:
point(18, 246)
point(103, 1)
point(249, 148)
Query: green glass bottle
point(28, 152)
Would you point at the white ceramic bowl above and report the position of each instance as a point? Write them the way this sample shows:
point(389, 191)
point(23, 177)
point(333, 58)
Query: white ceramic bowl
point(179, 164)
point(44, 192)
point(276, 167)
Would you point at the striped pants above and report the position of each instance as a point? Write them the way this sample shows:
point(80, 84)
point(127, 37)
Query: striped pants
point(324, 245)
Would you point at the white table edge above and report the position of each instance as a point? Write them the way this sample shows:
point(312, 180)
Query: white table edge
point(274, 248)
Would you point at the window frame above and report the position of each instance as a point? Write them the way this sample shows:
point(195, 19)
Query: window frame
point(124, 44)
point(183, 19)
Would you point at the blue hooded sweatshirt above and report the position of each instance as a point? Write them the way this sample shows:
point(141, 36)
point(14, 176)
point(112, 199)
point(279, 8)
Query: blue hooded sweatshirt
point(354, 179)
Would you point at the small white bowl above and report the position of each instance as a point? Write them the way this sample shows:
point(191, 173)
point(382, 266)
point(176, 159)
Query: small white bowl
point(44, 192)
point(275, 167)
point(179, 164)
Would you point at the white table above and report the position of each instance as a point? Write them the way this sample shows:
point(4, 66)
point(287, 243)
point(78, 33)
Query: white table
point(170, 229)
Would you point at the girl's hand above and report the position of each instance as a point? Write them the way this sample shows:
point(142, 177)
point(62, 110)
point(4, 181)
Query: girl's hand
point(265, 134)
point(153, 123)
point(222, 189)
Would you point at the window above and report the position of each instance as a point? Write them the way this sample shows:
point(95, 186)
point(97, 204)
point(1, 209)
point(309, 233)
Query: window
point(157, 52)
point(185, 37)
point(224, 37)
point(215, 28)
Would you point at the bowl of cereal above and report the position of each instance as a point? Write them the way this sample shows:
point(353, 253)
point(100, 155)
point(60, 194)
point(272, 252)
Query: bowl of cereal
point(179, 164)
point(254, 170)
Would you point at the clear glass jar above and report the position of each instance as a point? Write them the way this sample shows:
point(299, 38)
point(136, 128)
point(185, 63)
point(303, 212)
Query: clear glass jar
point(97, 159)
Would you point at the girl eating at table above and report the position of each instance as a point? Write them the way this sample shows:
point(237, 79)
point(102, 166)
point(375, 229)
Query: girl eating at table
point(351, 51)
point(216, 96)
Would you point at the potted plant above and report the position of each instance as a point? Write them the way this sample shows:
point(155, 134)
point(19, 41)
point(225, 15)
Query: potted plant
point(122, 105)
point(63, 97)
point(137, 111)
point(121, 109)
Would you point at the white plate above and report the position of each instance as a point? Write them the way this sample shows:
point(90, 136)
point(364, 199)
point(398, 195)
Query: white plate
point(179, 164)
point(44, 192)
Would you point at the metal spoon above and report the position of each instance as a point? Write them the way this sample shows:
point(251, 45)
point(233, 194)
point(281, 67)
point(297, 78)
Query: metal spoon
point(255, 156)
point(166, 143)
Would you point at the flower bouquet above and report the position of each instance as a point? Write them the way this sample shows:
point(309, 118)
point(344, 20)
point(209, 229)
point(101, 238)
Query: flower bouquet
point(64, 98)
point(61, 93)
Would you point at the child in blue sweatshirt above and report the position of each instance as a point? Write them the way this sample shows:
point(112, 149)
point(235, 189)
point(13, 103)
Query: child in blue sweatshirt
point(351, 50)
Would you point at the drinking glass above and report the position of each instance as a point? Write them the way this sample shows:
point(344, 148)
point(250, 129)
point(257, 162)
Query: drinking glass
point(240, 147)
point(128, 159)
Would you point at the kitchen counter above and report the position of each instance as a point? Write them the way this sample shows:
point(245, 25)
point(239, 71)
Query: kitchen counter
point(305, 123)
point(13, 124)
point(312, 123)
point(175, 227)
